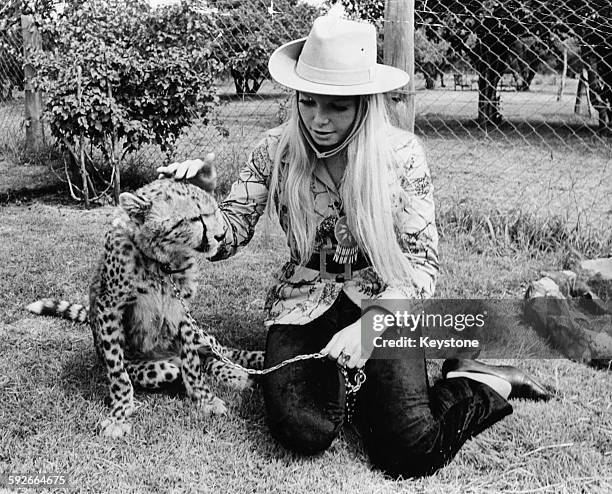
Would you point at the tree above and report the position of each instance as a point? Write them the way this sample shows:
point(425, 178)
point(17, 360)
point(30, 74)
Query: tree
point(120, 75)
point(494, 34)
point(502, 28)
point(430, 55)
point(246, 34)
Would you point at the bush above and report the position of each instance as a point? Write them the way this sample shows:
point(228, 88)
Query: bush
point(122, 75)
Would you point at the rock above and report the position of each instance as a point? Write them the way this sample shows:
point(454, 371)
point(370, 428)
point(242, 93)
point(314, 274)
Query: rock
point(571, 317)
point(600, 269)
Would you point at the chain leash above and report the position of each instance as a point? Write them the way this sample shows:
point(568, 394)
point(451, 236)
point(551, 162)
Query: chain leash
point(217, 349)
point(351, 390)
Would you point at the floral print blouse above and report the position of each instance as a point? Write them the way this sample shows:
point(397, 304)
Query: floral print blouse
point(300, 294)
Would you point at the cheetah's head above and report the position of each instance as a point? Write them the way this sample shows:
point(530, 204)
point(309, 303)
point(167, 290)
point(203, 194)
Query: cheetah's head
point(173, 215)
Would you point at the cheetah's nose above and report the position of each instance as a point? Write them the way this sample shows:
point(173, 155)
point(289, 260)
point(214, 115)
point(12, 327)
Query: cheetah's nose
point(219, 237)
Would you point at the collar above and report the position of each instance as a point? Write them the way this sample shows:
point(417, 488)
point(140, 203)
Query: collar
point(165, 267)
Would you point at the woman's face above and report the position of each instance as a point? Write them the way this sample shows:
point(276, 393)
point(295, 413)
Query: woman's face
point(327, 118)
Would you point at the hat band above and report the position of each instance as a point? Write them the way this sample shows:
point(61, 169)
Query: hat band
point(351, 77)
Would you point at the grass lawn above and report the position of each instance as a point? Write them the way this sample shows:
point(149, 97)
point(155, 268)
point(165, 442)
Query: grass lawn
point(53, 389)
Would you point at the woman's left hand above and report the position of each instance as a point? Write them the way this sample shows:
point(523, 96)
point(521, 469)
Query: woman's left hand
point(347, 343)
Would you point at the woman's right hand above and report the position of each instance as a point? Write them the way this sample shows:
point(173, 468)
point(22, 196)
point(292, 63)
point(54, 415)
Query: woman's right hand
point(198, 172)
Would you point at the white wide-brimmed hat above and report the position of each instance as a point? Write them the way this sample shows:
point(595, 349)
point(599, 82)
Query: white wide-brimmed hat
point(337, 58)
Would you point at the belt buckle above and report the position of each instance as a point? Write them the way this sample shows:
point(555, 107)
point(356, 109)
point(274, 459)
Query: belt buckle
point(348, 271)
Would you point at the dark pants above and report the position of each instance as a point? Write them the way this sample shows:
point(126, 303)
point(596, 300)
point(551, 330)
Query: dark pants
point(409, 429)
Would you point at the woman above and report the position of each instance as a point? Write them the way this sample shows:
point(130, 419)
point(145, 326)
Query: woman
point(354, 197)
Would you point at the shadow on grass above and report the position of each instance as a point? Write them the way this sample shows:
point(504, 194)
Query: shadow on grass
point(253, 97)
point(83, 375)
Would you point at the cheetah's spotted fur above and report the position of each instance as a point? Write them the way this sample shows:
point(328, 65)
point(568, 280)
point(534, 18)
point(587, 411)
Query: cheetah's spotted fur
point(140, 329)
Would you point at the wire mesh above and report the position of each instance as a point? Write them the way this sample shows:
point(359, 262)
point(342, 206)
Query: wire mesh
point(11, 84)
point(513, 99)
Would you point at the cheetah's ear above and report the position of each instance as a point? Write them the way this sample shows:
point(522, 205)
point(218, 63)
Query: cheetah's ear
point(135, 206)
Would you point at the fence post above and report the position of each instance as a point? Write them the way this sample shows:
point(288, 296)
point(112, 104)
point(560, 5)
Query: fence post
point(399, 52)
point(31, 44)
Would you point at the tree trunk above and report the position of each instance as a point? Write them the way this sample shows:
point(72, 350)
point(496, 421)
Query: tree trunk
point(492, 54)
point(488, 99)
point(430, 72)
point(33, 104)
point(563, 74)
point(526, 79)
point(583, 82)
point(83, 169)
point(238, 81)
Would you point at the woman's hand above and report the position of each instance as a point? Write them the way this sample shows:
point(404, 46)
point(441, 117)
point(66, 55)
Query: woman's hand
point(198, 172)
point(347, 342)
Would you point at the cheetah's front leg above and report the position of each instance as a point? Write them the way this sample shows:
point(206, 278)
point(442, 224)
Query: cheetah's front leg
point(121, 390)
point(192, 375)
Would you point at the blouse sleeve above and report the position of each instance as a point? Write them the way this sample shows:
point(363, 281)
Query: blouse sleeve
point(246, 201)
point(414, 221)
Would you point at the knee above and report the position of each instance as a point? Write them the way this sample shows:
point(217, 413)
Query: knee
point(303, 432)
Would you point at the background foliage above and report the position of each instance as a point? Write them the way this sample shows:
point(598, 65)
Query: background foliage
point(521, 37)
point(248, 32)
point(120, 75)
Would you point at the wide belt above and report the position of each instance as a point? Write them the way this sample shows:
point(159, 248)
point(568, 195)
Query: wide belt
point(324, 263)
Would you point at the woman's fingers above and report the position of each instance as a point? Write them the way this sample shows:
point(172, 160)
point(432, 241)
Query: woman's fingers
point(174, 170)
point(331, 349)
point(338, 349)
point(355, 360)
point(190, 169)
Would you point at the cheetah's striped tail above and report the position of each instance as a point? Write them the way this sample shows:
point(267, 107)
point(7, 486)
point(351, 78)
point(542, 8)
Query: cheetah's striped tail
point(59, 308)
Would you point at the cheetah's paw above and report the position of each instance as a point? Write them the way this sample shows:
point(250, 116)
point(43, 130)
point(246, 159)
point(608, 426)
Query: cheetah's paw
point(114, 429)
point(239, 380)
point(215, 406)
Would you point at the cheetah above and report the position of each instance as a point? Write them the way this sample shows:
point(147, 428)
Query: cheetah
point(141, 331)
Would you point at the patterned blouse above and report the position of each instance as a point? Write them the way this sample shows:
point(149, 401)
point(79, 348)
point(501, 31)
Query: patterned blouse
point(300, 294)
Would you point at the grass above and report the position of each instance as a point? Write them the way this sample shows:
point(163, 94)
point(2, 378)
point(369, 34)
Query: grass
point(511, 203)
point(54, 390)
point(542, 158)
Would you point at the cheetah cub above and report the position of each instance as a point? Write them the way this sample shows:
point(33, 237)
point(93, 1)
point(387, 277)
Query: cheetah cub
point(141, 331)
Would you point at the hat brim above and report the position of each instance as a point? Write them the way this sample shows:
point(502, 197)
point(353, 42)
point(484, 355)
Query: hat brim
point(283, 62)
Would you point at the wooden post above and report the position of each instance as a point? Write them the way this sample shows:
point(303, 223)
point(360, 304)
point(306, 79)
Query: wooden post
point(33, 105)
point(583, 89)
point(399, 52)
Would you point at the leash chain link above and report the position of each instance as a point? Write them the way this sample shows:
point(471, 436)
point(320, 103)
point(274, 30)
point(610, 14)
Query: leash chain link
point(216, 348)
point(351, 390)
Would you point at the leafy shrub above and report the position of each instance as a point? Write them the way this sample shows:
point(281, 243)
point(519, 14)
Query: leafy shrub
point(122, 75)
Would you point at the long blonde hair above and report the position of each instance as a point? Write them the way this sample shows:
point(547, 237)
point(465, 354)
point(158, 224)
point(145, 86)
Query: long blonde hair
point(365, 191)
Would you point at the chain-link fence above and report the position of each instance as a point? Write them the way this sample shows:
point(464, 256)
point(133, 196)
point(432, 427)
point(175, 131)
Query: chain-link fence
point(513, 99)
point(11, 85)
